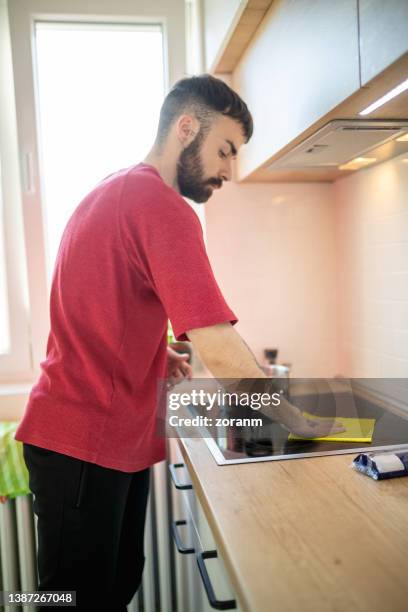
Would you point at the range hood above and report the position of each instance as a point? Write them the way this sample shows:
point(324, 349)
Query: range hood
point(341, 141)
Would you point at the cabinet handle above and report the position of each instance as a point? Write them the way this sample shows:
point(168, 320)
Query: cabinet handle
point(173, 467)
point(177, 539)
point(226, 604)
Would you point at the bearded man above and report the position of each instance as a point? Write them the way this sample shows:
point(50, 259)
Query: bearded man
point(131, 257)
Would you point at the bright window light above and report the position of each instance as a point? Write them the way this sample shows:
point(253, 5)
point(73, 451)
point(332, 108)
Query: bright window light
point(388, 96)
point(100, 88)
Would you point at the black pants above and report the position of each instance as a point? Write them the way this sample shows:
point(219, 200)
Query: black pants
point(90, 528)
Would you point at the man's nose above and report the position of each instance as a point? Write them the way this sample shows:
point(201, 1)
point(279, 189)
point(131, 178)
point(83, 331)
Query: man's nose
point(226, 171)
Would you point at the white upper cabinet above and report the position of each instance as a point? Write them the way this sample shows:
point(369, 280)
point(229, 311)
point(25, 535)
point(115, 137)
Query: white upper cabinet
point(383, 34)
point(302, 62)
point(219, 20)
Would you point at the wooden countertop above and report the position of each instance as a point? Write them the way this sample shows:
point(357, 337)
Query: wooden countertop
point(306, 534)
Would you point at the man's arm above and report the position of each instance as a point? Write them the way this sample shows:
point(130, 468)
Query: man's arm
point(225, 354)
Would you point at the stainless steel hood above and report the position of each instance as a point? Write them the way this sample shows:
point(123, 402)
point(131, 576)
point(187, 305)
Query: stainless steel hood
point(341, 141)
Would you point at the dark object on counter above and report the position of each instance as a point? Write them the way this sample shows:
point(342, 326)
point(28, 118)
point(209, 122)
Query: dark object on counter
point(271, 355)
point(382, 465)
point(261, 447)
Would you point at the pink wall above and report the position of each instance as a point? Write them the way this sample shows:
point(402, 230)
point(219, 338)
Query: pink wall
point(372, 245)
point(319, 270)
point(273, 253)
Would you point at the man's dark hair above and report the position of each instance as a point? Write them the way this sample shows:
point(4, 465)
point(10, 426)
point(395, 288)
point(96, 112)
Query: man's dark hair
point(204, 96)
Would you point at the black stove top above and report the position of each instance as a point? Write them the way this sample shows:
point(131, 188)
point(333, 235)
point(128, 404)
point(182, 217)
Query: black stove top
point(269, 441)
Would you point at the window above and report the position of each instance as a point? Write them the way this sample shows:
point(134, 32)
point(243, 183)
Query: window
point(68, 139)
point(100, 87)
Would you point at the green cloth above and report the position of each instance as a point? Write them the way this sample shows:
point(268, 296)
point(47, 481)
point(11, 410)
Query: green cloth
point(13, 470)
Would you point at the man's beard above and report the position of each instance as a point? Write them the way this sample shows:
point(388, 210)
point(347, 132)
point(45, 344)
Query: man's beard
point(190, 174)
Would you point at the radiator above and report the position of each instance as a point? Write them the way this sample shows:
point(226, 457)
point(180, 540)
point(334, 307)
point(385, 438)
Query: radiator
point(18, 545)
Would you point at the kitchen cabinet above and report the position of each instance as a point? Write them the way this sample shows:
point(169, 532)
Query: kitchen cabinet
point(228, 26)
point(305, 534)
point(383, 35)
point(302, 62)
point(219, 19)
point(194, 545)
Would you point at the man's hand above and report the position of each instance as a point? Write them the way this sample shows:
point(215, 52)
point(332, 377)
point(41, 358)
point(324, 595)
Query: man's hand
point(178, 367)
point(226, 355)
point(312, 428)
point(291, 418)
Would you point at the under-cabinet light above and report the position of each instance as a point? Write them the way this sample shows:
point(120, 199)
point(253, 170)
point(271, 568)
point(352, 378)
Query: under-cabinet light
point(388, 96)
point(357, 162)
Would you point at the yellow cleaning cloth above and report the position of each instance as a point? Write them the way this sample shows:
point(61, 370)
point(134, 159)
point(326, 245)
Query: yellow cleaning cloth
point(357, 430)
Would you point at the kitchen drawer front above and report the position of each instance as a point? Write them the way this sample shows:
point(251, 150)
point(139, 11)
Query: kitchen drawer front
point(202, 539)
point(184, 564)
point(192, 531)
point(203, 536)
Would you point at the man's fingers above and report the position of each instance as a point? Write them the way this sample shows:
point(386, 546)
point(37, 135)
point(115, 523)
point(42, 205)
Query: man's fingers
point(186, 369)
point(176, 377)
point(178, 366)
point(323, 428)
point(314, 428)
point(334, 427)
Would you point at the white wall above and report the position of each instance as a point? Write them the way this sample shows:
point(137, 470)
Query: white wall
point(273, 252)
point(319, 270)
point(372, 253)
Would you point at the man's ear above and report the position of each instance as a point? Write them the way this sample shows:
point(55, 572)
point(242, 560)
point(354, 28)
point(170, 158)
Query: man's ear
point(187, 127)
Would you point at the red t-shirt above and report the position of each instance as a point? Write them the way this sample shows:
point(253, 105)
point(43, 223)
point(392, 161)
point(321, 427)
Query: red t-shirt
point(131, 256)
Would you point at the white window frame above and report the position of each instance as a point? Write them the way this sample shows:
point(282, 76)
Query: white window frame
point(16, 365)
point(23, 15)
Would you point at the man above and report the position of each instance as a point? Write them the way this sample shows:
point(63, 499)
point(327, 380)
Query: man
point(131, 257)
